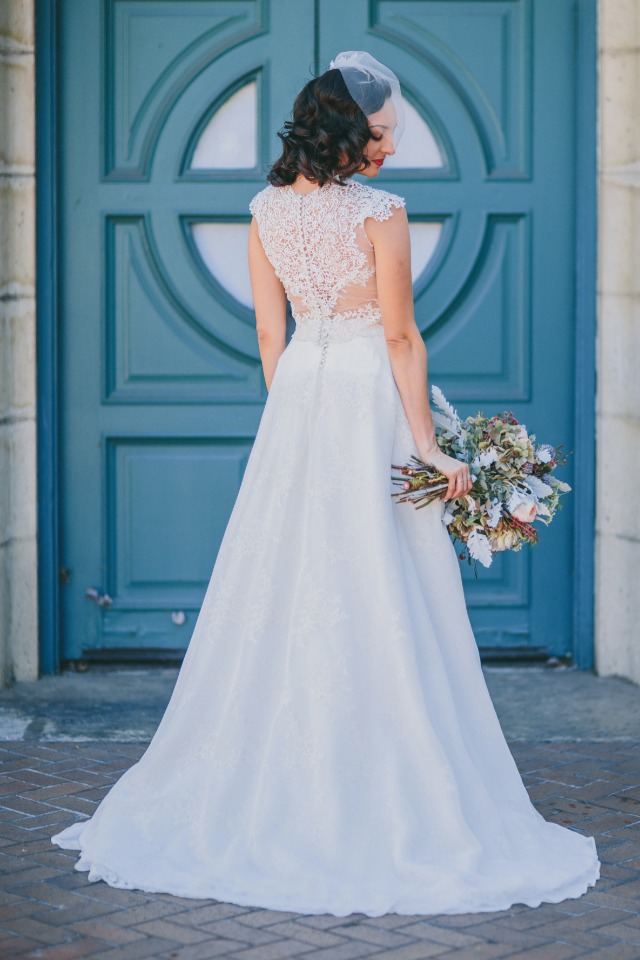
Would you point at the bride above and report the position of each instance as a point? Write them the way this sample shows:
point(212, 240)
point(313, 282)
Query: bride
point(330, 745)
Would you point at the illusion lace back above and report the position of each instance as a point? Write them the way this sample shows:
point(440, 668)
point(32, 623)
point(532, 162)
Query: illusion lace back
point(330, 745)
point(320, 251)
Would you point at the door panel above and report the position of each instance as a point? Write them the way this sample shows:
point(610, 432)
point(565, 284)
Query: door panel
point(162, 386)
point(169, 112)
point(495, 304)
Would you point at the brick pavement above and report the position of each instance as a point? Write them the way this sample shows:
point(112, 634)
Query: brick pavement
point(49, 910)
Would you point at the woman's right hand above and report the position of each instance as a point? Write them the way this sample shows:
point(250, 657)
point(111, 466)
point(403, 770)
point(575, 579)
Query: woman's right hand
point(456, 471)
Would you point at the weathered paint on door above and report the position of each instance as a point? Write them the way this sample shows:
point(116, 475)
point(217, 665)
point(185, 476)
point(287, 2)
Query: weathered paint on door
point(161, 388)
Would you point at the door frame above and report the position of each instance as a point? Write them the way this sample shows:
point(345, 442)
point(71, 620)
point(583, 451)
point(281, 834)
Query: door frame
point(48, 381)
point(47, 337)
point(585, 319)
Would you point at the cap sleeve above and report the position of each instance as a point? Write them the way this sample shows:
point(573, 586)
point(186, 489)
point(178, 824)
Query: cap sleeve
point(381, 204)
point(256, 205)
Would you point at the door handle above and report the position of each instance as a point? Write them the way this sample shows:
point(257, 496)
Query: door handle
point(102, 599)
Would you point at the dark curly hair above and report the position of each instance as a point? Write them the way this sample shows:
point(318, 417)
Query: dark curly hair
point(327, 126)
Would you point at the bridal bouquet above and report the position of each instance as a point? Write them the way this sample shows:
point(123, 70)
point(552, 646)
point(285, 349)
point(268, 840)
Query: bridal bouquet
point(512, 475)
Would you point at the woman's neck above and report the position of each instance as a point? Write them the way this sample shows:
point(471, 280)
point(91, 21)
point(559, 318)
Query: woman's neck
point(302, 185)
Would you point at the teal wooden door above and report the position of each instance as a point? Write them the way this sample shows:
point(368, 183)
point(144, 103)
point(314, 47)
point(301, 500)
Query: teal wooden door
point(168, 119)
point(169, 115)
point(494, 84)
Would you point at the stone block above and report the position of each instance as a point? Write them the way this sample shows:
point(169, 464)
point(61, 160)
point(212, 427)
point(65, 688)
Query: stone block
point(618, 24)
point(17, 23)
point(617, 237)
point(617, 505)
point(5, 612)
point(617, 609)
point(618, 351)
point(17, 113)
point(18, 518)
point(17, 358)
point(23, 628)
point(5, 482)
point(17, 237)
point(619, 75)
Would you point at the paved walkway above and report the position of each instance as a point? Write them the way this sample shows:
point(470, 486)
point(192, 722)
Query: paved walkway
point(126, 704)
point(49, 910)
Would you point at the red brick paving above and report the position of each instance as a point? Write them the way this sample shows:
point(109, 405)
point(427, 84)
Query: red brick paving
point(50, 911)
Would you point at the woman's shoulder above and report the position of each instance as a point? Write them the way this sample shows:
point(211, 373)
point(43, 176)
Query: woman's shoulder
point(262, 196)
point(375, 202)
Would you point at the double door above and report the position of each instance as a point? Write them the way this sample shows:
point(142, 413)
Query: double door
point(168, 116)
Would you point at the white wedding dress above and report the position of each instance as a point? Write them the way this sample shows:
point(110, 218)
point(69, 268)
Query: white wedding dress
point(330, 745)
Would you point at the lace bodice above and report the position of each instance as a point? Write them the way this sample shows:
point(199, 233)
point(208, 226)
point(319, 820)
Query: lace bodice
point(319, 248)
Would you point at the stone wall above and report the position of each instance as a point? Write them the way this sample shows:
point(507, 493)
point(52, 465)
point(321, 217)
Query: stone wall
point(18, 504)
point(617, 558)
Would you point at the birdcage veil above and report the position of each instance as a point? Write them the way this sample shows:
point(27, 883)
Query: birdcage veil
point(373, 87)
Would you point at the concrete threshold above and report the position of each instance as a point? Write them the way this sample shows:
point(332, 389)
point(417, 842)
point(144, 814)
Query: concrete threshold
point(126, 703)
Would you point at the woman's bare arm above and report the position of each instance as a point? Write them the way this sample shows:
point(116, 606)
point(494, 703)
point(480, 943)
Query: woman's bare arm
point(270, 302)
point(407, 351)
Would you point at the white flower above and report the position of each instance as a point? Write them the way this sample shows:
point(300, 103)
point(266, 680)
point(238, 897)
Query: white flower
point(560, 484)
point(537, 487)
point(495, 513)
point(521, 506)
point(544, 453)
point(522, 432)
point(516, 498)
point(446, 423)
point(484, 459)
point(447, 517)
point(480, 548)
point(441, 401)
point(526, 511)
point(504, 541)
point(449, 420)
